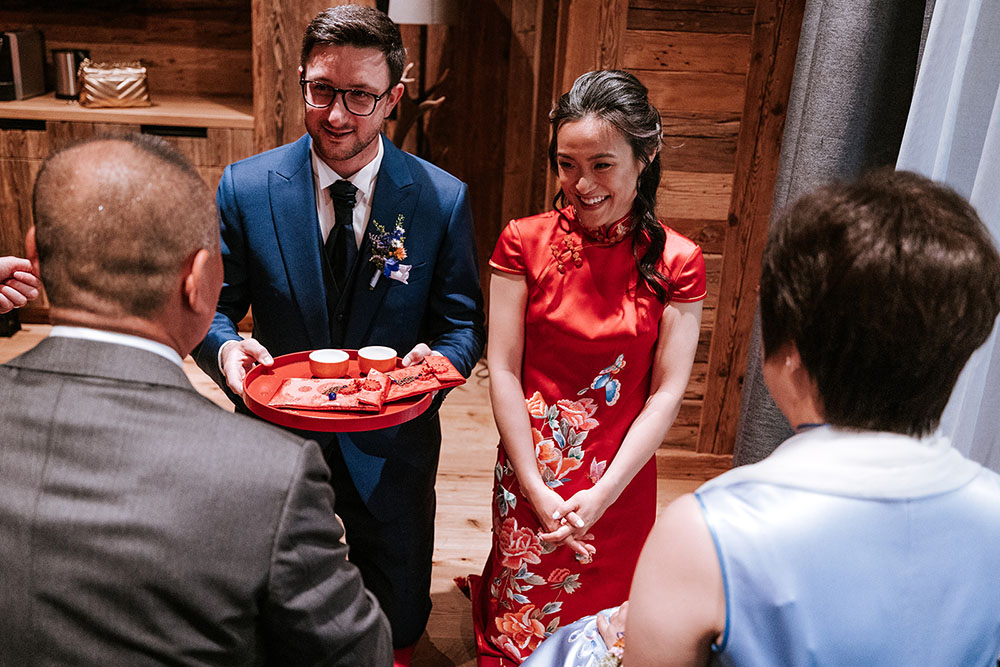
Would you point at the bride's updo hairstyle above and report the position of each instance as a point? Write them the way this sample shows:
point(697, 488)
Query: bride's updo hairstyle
point(619, 99)
point(885, 286)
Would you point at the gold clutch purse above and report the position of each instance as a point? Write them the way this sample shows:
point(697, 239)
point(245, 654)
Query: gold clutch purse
point(113, 84)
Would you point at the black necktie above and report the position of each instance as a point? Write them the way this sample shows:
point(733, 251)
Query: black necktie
point(341, 248)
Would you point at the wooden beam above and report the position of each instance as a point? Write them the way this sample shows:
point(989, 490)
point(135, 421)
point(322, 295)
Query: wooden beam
point(774, 42)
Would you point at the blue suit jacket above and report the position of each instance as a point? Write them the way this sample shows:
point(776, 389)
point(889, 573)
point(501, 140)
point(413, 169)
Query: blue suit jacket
point(271, 253)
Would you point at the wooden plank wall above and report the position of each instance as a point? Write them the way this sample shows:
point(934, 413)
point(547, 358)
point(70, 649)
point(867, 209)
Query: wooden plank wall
point(693, 57)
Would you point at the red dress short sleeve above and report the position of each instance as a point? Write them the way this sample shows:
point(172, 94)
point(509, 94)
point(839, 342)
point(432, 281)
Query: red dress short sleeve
point(508, 255)
point(685, 268)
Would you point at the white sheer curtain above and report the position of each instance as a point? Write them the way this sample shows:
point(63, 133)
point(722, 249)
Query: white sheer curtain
point(953, 135)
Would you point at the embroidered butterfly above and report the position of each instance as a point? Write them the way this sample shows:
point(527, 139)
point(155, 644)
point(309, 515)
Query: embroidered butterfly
point(606, 379)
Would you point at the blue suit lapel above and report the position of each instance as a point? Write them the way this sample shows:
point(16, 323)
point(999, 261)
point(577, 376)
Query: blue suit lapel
point(293, 211)
point(395, 194)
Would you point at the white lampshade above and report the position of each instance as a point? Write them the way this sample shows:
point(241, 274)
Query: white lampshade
point(423, 12)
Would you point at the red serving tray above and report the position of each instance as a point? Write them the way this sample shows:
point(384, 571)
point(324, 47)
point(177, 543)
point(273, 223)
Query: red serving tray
point(262, 382)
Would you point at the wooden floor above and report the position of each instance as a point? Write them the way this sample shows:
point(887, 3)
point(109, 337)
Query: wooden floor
point(464, 487)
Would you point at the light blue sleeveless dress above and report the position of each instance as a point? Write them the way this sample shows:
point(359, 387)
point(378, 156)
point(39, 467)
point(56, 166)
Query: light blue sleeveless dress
point(846, 548)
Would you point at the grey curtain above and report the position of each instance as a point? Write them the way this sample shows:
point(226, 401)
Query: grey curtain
point(854, 76)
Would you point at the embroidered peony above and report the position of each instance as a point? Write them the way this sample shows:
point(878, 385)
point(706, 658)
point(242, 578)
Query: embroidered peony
point(552, 465)
point(507, 646)
point(518, 546)
point(558, 575)
point(536, 405)
point(523, 630)
point(578, 413)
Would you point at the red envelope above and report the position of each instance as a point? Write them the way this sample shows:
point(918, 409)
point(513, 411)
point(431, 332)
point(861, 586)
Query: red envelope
point(433, 373)
point(365, 394)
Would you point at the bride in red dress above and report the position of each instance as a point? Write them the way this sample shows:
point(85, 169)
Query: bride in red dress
point(595, 312)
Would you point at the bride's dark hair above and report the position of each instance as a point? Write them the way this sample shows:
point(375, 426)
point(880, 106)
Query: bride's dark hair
point(621, 100)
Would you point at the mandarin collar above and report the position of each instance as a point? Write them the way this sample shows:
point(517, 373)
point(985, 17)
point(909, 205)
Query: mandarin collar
point(613, 232)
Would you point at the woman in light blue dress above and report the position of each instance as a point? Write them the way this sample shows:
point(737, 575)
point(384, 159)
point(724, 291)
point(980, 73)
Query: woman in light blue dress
point(866, 538)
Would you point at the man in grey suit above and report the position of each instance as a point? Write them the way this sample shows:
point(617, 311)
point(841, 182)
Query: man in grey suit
point(139, 523)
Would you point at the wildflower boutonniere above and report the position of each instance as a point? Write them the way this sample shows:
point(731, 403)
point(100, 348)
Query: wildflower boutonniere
point(388, 252)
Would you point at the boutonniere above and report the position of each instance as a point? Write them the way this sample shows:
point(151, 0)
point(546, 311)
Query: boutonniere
point(388, 251)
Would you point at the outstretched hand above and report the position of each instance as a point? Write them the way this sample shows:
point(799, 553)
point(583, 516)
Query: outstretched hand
point(239, 357)
point(18, 285)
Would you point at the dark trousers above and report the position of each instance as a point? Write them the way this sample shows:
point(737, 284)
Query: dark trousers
point(394, 556)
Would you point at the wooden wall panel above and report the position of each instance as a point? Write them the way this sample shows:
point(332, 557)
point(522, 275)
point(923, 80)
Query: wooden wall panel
point(711, 16)
point(700, 142)
point(17, 182)
point(694, 91)
point(709, 234)
point(685, 51)
point(774, 41)
point(685, 194)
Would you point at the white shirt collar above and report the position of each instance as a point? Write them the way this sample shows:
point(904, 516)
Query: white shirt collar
point(115, 338)
point(364, 180)
point(861, 464)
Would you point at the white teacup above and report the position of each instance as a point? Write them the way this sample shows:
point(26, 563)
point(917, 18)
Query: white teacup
point(379, 357)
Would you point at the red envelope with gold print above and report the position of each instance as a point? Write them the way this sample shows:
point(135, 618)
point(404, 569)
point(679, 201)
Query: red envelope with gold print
point(365, 394)
point(433, 373)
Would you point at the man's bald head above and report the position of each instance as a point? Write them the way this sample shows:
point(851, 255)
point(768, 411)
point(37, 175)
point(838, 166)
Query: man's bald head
point(115, 221)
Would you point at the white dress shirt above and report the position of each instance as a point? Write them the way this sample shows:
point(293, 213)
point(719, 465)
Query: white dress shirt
point(363, 180)
point(101, 336)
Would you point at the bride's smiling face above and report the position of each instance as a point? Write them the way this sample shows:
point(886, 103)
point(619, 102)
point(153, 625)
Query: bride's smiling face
point(597, 170)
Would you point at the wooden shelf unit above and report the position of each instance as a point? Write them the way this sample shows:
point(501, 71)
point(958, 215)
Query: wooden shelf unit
point(169, 109)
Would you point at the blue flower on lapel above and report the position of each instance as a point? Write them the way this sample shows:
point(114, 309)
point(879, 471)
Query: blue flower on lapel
point(388, 251)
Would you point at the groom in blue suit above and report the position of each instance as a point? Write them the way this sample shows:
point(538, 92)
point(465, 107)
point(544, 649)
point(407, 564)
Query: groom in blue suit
point(298, 224)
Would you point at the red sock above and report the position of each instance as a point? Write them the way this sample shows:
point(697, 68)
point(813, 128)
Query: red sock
point(402, 656)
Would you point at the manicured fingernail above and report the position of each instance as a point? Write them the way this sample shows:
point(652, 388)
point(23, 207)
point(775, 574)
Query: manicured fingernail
point(579, 523)
point(555, 515)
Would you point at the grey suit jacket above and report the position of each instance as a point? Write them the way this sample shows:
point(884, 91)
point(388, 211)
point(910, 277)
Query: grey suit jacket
point(140, 524)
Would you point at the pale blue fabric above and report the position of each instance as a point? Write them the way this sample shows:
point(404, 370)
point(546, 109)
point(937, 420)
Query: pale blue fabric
point(953, 135)
point(578, 644)
point(827, 578)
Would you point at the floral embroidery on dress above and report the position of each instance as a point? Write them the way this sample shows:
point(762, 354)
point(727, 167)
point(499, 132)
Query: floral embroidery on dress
point(521, 631)
point(558, 441)
point(606, 380)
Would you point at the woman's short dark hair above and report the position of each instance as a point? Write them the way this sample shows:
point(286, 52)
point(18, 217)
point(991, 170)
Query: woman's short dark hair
point(885, 286)
point(359, 26)
point(621, 100)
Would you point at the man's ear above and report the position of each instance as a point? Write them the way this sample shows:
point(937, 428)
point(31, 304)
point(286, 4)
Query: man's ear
point(394, 96)
point(202, 281)
point(31, 249)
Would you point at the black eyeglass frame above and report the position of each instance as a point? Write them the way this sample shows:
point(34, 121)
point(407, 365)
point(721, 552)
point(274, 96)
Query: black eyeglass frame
point(342, 92)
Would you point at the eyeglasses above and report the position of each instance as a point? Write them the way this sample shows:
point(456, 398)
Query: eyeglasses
point(358, 102)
